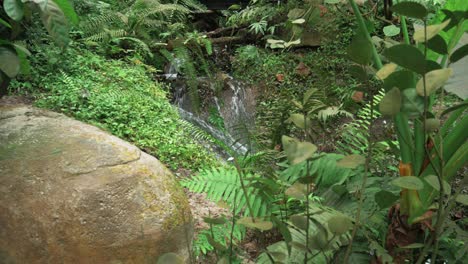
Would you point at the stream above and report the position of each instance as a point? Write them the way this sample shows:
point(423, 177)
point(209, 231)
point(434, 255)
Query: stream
point(233, 102)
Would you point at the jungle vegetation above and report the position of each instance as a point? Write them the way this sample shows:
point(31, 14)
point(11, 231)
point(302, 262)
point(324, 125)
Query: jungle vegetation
point(358, 153)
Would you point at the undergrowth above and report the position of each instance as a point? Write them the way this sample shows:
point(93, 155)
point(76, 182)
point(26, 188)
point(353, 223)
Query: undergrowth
point(117, 96)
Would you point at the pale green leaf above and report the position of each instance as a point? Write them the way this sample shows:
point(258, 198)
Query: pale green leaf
point(14, 9)
point(431, 31)
point(9, 62)
point(339, 224)
point(434, 182)
point(255, 223)
point(351, 161)
point(391, 102)
point(386, 70)
point(170, 258)
point(434, 80)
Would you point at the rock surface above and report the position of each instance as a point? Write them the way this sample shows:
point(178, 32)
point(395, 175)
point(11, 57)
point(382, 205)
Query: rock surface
point(71, 193)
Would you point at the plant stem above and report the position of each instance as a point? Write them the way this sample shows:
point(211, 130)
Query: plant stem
point(244, 189)
point(364, 182)
point(363, 28)
point(404, 28)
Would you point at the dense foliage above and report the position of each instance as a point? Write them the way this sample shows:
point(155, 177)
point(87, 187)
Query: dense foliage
point(358, 154)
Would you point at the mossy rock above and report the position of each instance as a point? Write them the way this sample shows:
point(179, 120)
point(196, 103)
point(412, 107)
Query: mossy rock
point(71, 193)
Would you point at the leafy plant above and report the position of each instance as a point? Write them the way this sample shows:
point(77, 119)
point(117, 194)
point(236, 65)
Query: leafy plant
point(424, 149)
point(55, 15)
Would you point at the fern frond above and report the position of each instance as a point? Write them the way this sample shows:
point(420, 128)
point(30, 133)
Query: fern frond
point(223, 183)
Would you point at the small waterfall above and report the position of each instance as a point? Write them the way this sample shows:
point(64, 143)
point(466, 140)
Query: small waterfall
point(230, 103)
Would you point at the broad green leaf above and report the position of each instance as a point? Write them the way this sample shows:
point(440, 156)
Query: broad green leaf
point(297, 190)
point(434, 183)
point(385, 199)
point(407, 56)
point(339, 224)
point(391, 30)
point(351, 161)
point(391, 102)
point(462, 198)
point(297, 151)
point(409, 182)
point(402, 79)
point(360, 50)
point(434, 80)
point(432, 124)
point(9, 62)
point(215, 221)
point(412, 103)
point(410, 9)
point(170, 258)
point(56, 23)
point(14, 9)
point(438, 45)
point(431, 31)
point(299, 221)
point(385, 71)
point(278, 256)
point(459, 53)
point(68, 10)
point(255, 223)
point(331, 2)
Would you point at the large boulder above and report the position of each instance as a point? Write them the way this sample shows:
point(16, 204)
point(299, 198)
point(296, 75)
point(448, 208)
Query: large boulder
point(71, 193)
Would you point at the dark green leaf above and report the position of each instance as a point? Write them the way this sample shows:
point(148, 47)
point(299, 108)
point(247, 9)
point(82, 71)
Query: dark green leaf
point(453, 108)
point(432, 65)
point(412, 103)
point(409, 182)
point(14, 9)
point(391, 102)
point(358, 72)
point(407, 56)
point(402, 79)
point(438, 45)
point(170, 258)
point(385, 199)
point(339, 224)
point(410, 9)
point(459, 53)
point(68, 10)
point(299, 221)
point(360, 50)
point(9, 62)
point(434, 182)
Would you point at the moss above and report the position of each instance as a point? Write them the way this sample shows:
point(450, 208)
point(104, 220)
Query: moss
point(180, 213)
